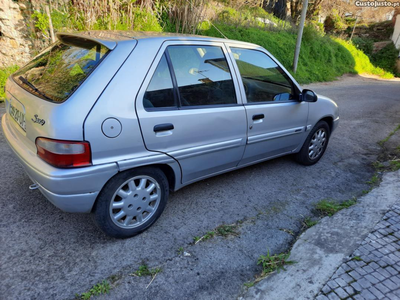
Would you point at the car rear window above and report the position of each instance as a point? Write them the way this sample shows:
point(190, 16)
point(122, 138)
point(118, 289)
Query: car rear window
point(58, 71)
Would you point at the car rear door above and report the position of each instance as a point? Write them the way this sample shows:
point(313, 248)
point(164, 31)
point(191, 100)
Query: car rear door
point(276, 118)
point(188, 108)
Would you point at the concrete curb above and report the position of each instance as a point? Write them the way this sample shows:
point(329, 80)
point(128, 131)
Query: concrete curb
point(323, 248)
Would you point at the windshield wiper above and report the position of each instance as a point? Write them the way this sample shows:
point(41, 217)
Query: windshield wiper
point(26, 81)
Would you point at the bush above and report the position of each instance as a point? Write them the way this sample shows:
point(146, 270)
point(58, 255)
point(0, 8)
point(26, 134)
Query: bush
point(4, 74)
point(334, 23)
point(386, 58)
point(362, 63)
point(41, 21)
point(365, 45)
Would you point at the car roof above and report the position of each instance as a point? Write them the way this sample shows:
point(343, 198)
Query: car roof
point(110, 38)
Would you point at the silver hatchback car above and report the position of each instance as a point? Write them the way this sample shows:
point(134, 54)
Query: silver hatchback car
point(109, 122)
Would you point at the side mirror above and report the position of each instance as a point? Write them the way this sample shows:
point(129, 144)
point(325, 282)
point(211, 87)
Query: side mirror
point(309, 96)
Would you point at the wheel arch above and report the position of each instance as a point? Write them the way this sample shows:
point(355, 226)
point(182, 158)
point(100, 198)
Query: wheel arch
point(329, 120)
point(171, 171)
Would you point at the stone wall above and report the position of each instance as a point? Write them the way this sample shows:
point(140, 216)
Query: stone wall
point(15, 43)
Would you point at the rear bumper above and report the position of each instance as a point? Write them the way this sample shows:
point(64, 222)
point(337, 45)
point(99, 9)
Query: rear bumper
point(71, 190)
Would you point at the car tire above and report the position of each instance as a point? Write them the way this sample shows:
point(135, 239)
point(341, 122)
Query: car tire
point(315, 145)
point(131, 202)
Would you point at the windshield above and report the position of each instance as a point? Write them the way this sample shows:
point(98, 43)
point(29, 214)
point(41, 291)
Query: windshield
point(58, 71)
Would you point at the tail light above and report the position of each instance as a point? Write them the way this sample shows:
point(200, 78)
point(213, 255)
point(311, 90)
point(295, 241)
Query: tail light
point(64, 154)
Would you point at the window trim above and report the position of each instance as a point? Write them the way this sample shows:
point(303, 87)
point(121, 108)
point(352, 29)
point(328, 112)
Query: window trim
point(164, 50)
point(175, 88)
point(286, 74)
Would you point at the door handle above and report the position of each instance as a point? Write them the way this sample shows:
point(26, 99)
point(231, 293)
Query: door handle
point(163, 127)
point(258, 117)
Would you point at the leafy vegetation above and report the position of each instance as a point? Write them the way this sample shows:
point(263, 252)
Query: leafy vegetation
point(386, 58)
point(329, 207)
point(41, 21)
point(222, 230)
point(382, 142)
point(88, 15)
point(272, 263)
point(364, 44)
point(374, 180)
point(308, 222)
point(4, 74)
point(145, 271)
point(363, 64)
point(98, 289)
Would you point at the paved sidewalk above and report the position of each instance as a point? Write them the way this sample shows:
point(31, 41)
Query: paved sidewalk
point(373, 271)
point(360, 246)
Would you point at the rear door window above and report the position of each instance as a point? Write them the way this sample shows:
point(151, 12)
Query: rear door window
point(160, 93)
point(56, 73)
point(202, 75)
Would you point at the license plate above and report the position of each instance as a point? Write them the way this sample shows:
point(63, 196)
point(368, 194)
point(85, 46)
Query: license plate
point(18, 116)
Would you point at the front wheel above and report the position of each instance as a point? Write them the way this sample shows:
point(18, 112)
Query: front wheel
point(131, 202)
point(315, 145)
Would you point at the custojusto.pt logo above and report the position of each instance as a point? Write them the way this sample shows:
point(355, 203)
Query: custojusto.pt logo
point(377, 4)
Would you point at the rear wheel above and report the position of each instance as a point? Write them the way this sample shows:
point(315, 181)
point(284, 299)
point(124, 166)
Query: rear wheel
point(131, 202)
point(315, 145)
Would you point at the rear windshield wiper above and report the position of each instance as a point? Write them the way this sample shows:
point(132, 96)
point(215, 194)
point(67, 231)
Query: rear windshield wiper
point(26, 81)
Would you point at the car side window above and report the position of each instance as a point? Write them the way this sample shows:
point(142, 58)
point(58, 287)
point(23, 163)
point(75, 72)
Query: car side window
point(263, 79)
point(202, 75)
point(160, 92)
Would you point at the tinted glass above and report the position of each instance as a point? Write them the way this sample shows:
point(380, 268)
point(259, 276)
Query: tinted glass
point(263, 79)
point(56, 73)
point(202, 75)
point(159, 93)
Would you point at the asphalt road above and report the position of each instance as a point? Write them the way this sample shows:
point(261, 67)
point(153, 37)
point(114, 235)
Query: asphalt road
point(49, 254)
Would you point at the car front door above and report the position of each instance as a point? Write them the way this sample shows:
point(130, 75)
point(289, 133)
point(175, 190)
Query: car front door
point(276, 118)
point(188, 108)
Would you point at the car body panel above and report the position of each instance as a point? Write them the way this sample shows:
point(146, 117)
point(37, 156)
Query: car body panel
point(205, 140)
point(280, 131)
point(56, 184)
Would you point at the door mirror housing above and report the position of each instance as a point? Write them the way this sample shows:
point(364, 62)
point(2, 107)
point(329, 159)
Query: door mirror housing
point(308, 96)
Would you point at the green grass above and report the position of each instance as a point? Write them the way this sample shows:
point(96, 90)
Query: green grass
point(322, 58)
point(98, 289)
point(363, 64)
point(4, 74)
point(374, 180)
point(145, 271)
point(329, 207)
point(382, 142)
point(221, 230)
point(394, 165)
point(386, 58)
point(249, 284)
point(308, 222)
point(272, 263)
